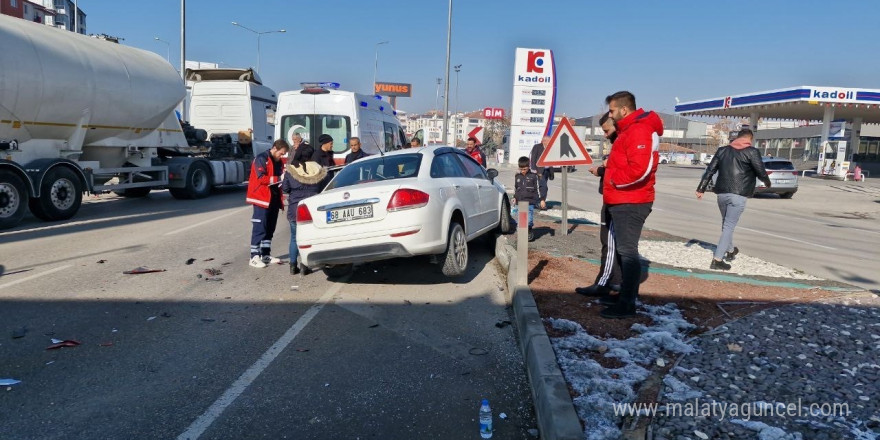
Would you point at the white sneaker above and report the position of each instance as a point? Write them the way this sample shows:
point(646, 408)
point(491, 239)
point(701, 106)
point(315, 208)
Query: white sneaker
point(256, 261)
point(268, 259)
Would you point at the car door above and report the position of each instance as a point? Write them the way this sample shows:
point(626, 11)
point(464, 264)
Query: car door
point(456, 184)
point(487, 192)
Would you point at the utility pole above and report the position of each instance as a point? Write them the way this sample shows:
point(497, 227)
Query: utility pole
point(183, 109)
point(455, 130)
point(446, 92)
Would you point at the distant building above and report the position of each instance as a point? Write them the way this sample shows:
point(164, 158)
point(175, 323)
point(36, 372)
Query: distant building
point(55, 13)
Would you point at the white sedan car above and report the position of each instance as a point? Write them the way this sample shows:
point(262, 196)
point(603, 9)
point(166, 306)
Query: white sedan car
point(425, 201)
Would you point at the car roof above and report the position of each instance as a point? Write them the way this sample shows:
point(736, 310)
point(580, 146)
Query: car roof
point(434, 149)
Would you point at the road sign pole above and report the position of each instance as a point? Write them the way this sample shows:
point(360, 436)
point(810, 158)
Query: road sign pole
point(564, 200)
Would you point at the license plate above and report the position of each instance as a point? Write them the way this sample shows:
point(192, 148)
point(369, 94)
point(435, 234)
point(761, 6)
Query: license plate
point(783, 181)
point(348, 214)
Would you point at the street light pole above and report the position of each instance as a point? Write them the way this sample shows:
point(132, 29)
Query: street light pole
point(376, 66)
point(446, 92)
point(455, 130)
point(183, 105)
point(259, 34)
point(168, 51)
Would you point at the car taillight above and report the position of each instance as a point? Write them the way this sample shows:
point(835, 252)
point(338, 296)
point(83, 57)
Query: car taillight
point(407, 198)
point(794, 173)
point(302, 214)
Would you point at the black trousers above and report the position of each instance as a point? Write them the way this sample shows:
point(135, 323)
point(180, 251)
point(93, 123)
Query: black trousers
point(609, 264)
point(627, 221)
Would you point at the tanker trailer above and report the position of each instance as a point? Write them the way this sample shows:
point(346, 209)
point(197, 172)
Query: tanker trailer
point(82, 114)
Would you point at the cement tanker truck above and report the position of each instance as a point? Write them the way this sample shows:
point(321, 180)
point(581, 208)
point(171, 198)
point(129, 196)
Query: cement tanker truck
point(79, 114)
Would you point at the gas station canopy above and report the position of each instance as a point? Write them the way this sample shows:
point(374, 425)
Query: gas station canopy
point(809, 103)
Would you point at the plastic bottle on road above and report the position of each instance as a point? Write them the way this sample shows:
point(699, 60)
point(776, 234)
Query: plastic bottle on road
point(485, 419)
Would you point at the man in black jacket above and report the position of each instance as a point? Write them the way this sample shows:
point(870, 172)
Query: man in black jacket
point(737, 164)
point(324, 157)
point(609, 276)
point(544, 173)
point(356, 152)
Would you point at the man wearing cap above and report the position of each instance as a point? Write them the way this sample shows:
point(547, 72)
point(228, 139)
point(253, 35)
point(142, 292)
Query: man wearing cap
point(324, 156)
point(263, 192)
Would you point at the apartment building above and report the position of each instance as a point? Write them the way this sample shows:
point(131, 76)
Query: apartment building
point(56, 13)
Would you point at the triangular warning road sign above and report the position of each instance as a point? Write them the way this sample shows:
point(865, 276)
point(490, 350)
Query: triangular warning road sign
point(565, 148)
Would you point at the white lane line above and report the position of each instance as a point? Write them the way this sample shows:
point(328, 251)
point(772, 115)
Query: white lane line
point(250, 375)
point(12, 283)
point(786, 238)
point(206, 221)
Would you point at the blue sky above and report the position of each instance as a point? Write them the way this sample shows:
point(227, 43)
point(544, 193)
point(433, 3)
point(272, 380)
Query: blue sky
point(658, 50)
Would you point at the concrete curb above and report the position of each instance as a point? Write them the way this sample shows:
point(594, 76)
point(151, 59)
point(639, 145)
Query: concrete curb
point(557, 418)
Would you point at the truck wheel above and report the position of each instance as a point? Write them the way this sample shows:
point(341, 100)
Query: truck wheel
point(505, 226)
point(455, 259)
point(133, 192)
point(198, 183)
point(13, 193)
point(337, 270)
point(60, 195)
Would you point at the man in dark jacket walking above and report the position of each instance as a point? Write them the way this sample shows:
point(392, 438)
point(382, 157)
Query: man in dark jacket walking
point(737, 165)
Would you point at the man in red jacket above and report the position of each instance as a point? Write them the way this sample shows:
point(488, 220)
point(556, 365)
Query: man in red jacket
point(264, 193)
point(628, 191)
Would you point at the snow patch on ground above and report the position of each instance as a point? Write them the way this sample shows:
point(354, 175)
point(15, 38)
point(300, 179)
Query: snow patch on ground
point(601, 388)
point(693, 254)
point(698, 255)
point(767, 432)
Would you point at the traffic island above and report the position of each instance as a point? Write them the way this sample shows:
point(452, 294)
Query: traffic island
point(682, 303)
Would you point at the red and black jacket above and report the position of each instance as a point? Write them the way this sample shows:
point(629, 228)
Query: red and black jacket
point(630, 169)
point(264, 172)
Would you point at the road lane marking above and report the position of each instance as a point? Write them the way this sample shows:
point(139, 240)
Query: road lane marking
point(198, 427)
point(786, 238)
point(82, 222)
point(206, 221)
point(50, 271)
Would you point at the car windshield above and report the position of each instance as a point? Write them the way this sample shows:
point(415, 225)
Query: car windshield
point(778, 165)
point(398, 166)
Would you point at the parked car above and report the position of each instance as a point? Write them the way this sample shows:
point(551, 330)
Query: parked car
point(783, 178)
point(431, 201)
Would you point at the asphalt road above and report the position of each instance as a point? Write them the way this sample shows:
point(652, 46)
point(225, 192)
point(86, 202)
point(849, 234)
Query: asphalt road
point(829, 229)
point(393, 351)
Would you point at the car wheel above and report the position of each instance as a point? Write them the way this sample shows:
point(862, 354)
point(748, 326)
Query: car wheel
point(337, 270)
point(455, 259)
point(787, 195)
point(505, 225)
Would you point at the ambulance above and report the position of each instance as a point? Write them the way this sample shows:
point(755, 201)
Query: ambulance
point(320, 108)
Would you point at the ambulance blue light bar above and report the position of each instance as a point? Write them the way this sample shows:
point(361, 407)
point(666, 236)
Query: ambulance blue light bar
point(321, 85)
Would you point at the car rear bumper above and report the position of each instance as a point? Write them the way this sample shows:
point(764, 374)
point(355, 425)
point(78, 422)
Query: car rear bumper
point(372, 246)
point(359, 254)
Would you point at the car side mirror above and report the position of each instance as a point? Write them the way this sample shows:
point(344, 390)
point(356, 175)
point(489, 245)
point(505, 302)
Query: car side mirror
point(492, 173)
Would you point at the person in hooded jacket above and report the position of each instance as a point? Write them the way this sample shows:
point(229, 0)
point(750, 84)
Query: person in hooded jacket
point(302, 180)
point(737, 165)
point(628, 192)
